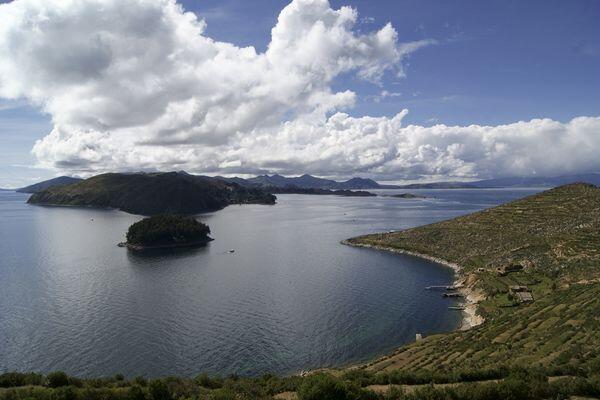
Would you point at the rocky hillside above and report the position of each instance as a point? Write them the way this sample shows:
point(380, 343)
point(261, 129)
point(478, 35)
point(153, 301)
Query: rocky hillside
point(535, 267)
point(154, 193)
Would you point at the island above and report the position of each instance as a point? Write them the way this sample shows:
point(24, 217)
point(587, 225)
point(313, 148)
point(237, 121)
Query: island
point(152, 193)
point(407, 196)
point(165, 231)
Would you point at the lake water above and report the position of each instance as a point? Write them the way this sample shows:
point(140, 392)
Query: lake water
point(290, 297)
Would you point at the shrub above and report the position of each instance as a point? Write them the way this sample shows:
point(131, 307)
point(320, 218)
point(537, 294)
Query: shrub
point(14, 379)
point(223, 394)
point(159, 390)
point(207, 382)
point(361, 377)
point(322, 387)
point(136, 393)
point(140, 380)
point(57, 379)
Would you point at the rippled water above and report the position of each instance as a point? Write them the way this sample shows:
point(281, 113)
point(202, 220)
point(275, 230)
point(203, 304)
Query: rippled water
point(290, 297)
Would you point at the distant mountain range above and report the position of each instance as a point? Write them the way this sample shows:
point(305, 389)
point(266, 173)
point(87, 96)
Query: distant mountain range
point(441, 185)
point(306, 182)
point(594, 179)
point(299, 184)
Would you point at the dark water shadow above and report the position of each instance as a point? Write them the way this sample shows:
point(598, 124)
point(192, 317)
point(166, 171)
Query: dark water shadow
point(173, 253)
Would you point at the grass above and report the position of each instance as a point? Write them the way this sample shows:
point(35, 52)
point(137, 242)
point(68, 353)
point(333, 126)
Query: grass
point(555, 232)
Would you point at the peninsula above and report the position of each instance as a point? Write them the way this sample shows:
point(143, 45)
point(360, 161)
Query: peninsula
point(530, 269)
point(152, 193)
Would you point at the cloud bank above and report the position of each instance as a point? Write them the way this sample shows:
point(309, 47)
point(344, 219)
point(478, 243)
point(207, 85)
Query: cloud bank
point(136, 84)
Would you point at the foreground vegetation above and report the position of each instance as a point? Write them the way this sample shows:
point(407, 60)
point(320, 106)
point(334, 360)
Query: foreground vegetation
point(167, 230)
point(354, 385)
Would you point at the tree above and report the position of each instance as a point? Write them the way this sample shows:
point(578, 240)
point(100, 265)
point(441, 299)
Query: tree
point(322, 387)
point(159, 390)
point(57, 379)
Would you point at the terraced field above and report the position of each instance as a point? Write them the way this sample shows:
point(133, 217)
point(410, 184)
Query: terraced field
point(556, 232)
point(556, 333)
point(555, 237)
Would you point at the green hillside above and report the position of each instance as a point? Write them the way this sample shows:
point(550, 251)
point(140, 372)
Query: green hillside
point(553, 239)
point(556, 233)
point(149, 194)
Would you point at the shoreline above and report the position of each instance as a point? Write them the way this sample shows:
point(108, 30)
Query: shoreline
point(470, 318)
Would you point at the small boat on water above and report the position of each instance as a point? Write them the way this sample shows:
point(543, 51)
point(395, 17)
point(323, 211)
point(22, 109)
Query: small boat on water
point(460, 308)
point(231, 251)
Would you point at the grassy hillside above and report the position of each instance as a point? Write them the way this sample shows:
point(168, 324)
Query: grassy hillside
point(555, 233)
point(38, 187)
point(149, 194)
point(555, 237)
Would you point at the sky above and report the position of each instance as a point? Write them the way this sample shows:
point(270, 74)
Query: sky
point(392, 90)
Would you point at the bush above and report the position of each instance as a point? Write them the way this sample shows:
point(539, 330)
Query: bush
point(14, 379)
point(136, 393)
point(64, 393)
point(207, 382)
point(57, 379)
point(159, 390)
point(361, 377)
point(322, 387)
point(223, 394)
point(140, 380)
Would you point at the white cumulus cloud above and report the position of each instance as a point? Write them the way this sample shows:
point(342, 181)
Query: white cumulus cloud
point(136, 84)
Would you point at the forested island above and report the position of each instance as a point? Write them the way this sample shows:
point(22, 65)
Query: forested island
point(163, 231)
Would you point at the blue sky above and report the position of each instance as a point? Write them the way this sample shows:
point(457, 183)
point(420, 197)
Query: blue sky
point(495, 62)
